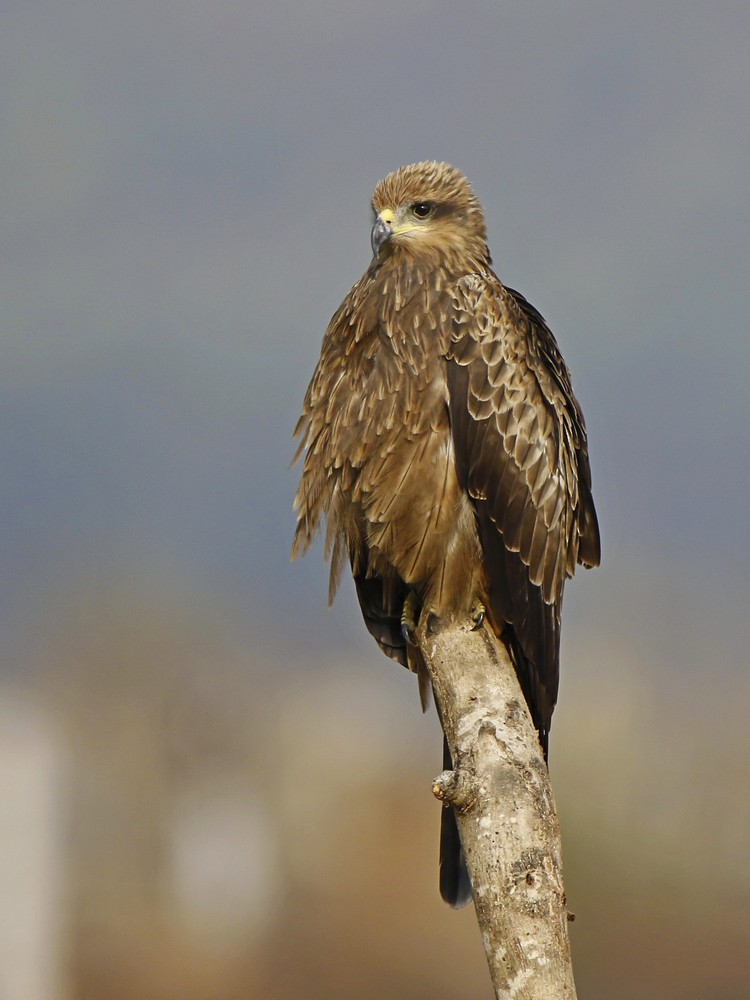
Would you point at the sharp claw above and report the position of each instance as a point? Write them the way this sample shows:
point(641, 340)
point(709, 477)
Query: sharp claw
point(433, 623)
point(410, 636)
point(478, 618)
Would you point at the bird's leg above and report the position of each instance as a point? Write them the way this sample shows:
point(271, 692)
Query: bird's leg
point(409, 618)
point(477, 616)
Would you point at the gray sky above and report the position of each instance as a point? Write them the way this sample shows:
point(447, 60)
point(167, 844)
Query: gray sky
point(185, 202)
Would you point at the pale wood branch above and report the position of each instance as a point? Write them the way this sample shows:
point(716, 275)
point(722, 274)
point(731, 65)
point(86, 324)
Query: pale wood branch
point(505, 810)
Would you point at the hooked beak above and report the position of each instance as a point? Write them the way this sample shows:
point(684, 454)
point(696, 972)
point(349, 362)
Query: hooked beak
point(382, 231)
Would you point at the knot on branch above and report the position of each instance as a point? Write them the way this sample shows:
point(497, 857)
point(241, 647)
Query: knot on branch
point(457, 788)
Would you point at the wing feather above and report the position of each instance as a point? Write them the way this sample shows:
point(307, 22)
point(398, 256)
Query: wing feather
point(521, 452)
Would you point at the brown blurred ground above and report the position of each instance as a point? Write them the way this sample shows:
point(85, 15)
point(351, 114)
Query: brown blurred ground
point(220, 829)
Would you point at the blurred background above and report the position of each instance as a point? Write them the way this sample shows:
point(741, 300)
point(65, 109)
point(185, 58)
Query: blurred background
point(211, 787)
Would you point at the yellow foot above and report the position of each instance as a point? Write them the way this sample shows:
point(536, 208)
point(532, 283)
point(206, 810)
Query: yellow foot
point(409, 618)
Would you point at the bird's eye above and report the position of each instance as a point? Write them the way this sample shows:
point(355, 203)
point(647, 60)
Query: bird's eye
point(421, 209)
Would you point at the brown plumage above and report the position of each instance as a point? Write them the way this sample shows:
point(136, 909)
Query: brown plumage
point(445, 447)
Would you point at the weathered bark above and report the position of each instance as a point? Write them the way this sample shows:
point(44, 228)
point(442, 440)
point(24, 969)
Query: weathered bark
point(506, 814)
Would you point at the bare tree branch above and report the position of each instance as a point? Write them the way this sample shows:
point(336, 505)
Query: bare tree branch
point(506, 814)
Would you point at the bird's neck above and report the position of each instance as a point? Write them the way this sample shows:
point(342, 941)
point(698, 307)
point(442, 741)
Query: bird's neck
point(409, 270)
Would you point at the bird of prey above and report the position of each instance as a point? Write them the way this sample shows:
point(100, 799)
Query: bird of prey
point(445, 448)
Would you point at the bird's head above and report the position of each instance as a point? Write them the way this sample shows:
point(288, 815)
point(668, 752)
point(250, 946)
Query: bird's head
point(428, 211)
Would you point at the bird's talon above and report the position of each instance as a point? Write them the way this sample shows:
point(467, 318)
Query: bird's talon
point(478, 618)
point(409, 634)
point(409, 616)
point(433, 623)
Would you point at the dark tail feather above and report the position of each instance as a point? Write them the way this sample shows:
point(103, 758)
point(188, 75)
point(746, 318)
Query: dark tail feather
point(455, 884)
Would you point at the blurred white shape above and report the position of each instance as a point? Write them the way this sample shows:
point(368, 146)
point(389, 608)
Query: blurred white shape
point(223, 871)
point(31, 853)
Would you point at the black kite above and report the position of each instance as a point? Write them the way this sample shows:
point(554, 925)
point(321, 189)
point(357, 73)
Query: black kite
point(445, 447)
